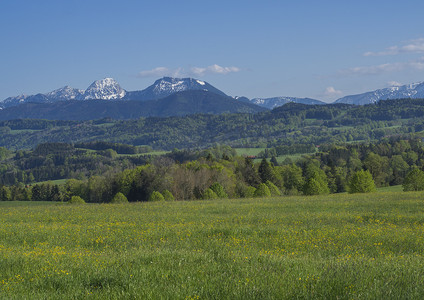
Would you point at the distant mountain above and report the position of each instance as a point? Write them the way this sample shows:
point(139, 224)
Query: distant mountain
point(109, 89)
point(271, 103)
point(13, 101)
point(105, 89)
point(65, 93)
point(177, 104)
point(414, 90)
point(167, 86)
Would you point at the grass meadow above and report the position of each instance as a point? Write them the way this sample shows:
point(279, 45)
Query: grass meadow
point(321, 247)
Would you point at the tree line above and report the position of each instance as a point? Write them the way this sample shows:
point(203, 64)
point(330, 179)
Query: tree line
point(220, 173)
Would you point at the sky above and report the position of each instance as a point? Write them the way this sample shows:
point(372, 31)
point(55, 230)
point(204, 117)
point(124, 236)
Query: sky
point(317, 49)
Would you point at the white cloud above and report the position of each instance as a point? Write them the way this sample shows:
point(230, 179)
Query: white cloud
point(159, 72)
point(193, 71)
point(214, 69)
point(413, 46)
point(385, 68)
point(331, 92)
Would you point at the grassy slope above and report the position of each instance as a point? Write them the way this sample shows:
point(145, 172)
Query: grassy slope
point(256, 151)
point(249, 151)
point(336, 246)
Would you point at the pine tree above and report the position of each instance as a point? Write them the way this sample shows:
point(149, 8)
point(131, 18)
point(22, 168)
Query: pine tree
point(265, 171)
point(274, 161)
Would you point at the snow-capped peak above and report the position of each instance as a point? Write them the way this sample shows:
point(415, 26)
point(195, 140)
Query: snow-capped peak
point(168, 85)
point(65, 93)
point(413, 90)
point(274, 102)
point(107, 88)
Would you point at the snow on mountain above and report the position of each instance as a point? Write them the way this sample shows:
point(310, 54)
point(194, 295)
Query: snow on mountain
point(167, 86)
point(271, 103)
point(107, 89)
point(13, 101)
point(65, 93)
point(414, 90)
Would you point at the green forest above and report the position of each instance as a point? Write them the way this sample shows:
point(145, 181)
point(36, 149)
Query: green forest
point(286, 125)
point(100, 172)
point(338, 148)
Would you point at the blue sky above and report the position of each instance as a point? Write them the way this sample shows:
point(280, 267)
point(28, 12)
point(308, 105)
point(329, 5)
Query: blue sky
point(318, 49)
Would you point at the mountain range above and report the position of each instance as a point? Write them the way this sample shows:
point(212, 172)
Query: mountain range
point(413, 90)
point(109, 89)
point(165, 97)
point(274, 102)
point(177, 104)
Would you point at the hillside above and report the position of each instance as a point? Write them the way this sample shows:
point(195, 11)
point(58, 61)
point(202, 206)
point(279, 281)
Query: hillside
point(290, 124)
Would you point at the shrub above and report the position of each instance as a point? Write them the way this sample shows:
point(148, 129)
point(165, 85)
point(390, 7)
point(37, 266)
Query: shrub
point(156, 196)
point(209, 194)
point(315, 186)
point(250, 192)
point(219, 190)
point(76, 200)
point(244, 191)
point(119, 198)
point(275, 191)
point(361, 182)
point(167, 195)
point(414, 181)
point(262, 191)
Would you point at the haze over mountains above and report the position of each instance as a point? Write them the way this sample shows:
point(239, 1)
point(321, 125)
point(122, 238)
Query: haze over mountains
point(274, 102)
point(165, 97)
point(413, 90)
point(106, 98)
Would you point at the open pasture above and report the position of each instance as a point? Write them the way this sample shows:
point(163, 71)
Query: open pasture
point(336, 246)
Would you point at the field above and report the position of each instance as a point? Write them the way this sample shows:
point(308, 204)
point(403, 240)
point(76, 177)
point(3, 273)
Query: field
point(249, 151)
point(328, 247)
point(256, 151)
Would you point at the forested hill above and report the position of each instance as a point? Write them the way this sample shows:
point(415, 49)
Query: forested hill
point(289, 124)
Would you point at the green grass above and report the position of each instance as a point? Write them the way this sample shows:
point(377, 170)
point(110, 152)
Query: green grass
point(249, 151)
point(256, 151)
point(156, 152)
point(26, 204)
point(395, 188)
point(367, 246)
point(57, 181)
